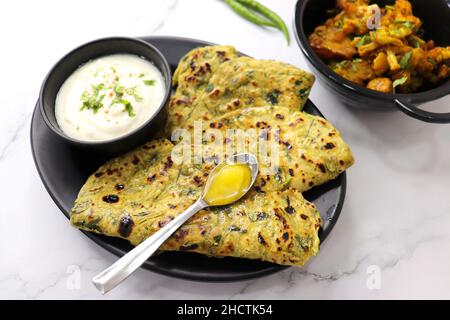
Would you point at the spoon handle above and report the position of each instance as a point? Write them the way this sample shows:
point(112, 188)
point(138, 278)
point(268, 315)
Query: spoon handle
point(122, 268)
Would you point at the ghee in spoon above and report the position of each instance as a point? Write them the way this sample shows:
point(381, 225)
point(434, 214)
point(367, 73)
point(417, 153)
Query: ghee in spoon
point(227, 184)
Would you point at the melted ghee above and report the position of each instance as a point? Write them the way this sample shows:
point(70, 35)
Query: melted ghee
point(227, 184)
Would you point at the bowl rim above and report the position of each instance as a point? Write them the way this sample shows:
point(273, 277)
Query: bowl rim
point(302, 39)
point(61, 61)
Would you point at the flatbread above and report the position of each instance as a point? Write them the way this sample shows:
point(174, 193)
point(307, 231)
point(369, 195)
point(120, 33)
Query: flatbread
point(192, 76)
point(134, 195)
point(239, 83)
point(310, 151)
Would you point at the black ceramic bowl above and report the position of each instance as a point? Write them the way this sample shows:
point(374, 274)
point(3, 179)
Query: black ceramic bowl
point(71, 61)
point(435, 15)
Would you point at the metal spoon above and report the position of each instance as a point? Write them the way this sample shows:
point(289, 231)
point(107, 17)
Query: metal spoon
point(122, 268)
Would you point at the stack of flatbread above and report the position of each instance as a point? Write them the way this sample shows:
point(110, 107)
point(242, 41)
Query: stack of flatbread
point(227, 93)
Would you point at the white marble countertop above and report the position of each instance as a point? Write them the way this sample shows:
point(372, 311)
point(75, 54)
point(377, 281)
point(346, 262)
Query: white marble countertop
point(394, 224)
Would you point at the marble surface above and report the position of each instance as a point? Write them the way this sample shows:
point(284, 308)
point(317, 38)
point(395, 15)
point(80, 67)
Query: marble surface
point(392, 240)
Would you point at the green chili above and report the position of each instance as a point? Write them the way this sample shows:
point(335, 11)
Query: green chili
point(255, 12)
point(269, 14)
point(249, 15)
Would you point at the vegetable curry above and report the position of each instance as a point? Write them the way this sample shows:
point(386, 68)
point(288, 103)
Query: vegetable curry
point(390, 57)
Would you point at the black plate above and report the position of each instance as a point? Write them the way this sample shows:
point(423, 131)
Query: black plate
point(64, 170)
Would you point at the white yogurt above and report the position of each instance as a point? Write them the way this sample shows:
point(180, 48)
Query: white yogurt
point(109, 97)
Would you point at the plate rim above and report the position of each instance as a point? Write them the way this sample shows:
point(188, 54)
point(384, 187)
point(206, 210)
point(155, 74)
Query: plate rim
point(176, 274)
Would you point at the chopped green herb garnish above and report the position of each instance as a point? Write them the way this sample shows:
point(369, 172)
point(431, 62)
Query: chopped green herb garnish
point(399, 82)
point(343, 64)
point(128, 108)
point(272, 97)
point(405, 23)
point(149, 82)
point(119, 90)
point(415, 41)
point(141, 75)
point(363, 41)
point(93, 101)
point(87, 104)
point(98, 87)
point(432, 61)
point(405, 60)
point(303, 93)
point(132, 91)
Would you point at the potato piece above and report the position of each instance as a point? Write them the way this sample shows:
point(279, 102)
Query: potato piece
point(403, 7)
point(331, 43)
point(425, 63)
point(380, 84)
point(399, 51)
point(418, 54)
point(367, 49)
point(392, 60)
point(382, 37)
point(357, 71)
point(380, 63)
point(351, 5)
point(439, 54)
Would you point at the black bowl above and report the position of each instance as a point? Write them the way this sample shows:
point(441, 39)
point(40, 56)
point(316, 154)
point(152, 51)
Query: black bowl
point(71, 61)
point(435, 16)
